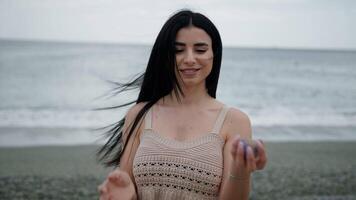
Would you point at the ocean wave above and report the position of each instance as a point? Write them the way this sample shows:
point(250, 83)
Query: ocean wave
point(57, 118)
point(277, 116)
point(284, 116)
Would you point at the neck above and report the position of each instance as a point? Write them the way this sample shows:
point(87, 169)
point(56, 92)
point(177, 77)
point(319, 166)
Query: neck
point(193, 96)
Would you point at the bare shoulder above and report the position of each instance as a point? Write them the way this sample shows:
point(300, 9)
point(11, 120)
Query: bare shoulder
point(134, 110)
point(131, 138)
point(237, 123)
point(131, 116)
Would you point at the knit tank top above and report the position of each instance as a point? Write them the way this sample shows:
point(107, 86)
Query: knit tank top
point(165, 168)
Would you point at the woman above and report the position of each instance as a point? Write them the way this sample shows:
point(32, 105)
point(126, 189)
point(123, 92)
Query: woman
point(179, 142)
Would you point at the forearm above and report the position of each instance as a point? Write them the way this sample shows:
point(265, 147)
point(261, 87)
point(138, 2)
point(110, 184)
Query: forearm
point(235, 188)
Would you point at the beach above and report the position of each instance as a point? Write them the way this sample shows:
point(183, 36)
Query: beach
point(300, 101)
point(296, 170)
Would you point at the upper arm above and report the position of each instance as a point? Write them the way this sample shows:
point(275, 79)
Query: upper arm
point(237, 123)
point(132, 142)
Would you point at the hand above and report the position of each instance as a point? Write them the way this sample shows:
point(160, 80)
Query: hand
point(117, 186)
point(248, 156)
point(262, 156)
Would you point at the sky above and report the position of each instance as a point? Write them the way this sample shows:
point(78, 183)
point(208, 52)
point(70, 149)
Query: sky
point(315, 24)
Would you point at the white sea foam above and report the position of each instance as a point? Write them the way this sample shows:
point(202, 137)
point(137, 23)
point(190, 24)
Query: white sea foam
point(52, 86)
point(57, 118)
point(279, 116)
point(283, 116)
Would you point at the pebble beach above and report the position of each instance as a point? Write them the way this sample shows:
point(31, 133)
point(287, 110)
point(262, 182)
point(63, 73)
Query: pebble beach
point(296, 170)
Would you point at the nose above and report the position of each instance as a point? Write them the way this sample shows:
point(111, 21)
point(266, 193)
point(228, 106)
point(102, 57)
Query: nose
point(189, 58)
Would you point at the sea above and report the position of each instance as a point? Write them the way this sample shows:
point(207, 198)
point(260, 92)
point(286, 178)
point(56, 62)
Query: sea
point(50, 91)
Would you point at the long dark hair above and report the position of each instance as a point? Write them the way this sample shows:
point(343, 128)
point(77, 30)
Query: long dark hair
point(159, 78)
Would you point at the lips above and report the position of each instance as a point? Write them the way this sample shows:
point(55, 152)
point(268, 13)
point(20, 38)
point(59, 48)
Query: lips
point(189, 71)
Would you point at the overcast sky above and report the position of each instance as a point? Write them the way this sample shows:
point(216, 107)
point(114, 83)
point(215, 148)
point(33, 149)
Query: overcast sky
point(245, 23)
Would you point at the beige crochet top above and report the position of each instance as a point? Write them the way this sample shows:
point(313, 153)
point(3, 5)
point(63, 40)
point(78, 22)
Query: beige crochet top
point(165, 168)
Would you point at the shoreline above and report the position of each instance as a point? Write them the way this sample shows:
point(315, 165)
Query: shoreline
point(70, 136)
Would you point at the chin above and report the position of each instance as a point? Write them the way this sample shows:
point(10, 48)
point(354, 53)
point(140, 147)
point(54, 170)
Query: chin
point(192, 82)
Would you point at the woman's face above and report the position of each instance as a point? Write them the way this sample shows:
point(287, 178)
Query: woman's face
point(194, 55)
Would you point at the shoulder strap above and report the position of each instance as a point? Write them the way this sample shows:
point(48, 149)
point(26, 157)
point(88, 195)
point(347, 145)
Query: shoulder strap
point(220, 120)
point(148, 119)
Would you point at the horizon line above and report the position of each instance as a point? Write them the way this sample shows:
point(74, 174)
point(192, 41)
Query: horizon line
point(148, 44)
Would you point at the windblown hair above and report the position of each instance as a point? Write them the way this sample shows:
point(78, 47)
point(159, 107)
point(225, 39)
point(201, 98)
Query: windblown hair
point(159, 79)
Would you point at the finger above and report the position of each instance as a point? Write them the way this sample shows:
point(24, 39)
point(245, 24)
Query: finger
point(255, 149)
point(120, 179)
point(114, 173)
point(102, 187)
point(103, 190)
point(235, 144)
point(245, 149)
point(236, 140)
point(125, 179)
point(114, 178)
point(251, 163)
point(260, 144)
point(262, 156)
point(240, 154)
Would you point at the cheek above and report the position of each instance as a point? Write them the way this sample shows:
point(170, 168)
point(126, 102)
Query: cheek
point(179, 60)
point(206, 60)
point(207, 63)
point(209, 67)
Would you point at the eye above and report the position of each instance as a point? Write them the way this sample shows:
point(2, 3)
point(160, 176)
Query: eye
point(179, 50)
point(201, 50)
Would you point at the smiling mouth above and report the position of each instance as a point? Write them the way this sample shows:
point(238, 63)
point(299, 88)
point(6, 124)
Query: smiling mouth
point(190, 71)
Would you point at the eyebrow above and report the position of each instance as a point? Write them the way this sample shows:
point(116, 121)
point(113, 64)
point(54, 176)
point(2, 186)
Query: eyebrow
point(199, 44)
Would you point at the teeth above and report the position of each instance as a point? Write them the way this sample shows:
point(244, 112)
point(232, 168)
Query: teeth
point(189, 71)
point(194, 70)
